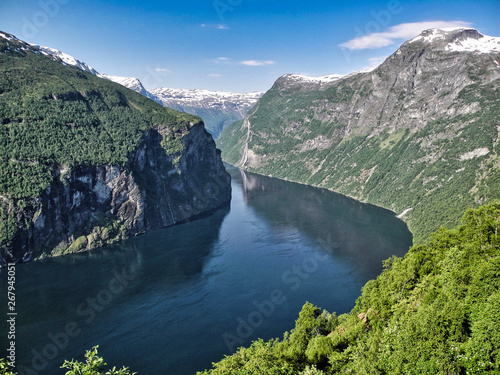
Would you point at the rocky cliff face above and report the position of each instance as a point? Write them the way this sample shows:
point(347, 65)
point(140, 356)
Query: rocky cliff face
point(90, 206)
point(86, 162)
point(418, 134)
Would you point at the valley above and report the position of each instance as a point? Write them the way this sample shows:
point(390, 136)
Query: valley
point(171, 228)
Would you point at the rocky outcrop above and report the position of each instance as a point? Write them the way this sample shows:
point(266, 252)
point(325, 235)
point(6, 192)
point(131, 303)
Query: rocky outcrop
point(89, 206)
point(88, 162)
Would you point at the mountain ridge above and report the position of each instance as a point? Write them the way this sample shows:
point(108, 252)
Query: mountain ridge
point(393, 136)
point(217, 108)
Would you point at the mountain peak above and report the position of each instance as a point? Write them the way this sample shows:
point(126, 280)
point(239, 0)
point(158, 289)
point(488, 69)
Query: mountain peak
point(301, 82)
point(459, 39)
point(200, 94)
point(322, 79)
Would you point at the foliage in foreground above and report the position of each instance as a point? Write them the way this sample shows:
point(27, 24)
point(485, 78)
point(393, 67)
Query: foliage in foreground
point(5, 368)
point(433, 312)
point(93, 365)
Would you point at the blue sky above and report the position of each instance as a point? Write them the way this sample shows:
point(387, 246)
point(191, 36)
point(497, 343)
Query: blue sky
point(233, 45)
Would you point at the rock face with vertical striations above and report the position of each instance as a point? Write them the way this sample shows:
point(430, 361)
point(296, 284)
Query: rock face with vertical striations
point(419, 134)
point(86, 162)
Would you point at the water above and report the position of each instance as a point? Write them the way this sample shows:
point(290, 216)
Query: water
point(175, 300)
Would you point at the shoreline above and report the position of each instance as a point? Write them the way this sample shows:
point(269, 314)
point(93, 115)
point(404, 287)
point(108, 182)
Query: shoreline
point(399, 216)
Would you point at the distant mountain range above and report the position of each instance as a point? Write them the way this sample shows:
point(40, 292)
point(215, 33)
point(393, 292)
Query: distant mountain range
point(217, 109)
point(419, 134)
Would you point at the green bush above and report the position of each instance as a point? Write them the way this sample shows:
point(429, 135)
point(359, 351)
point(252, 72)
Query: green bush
point(93, 365)
point(5, 369)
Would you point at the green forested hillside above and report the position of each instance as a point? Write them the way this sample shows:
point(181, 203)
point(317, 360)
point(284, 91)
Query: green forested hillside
point(73, 146)
point(433, 312)
point(51, 113)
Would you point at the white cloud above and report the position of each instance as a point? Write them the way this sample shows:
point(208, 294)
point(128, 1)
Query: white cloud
point(257, 62)
point(162, 70)
point(217, 27)
point(401, 31)
point(221, 60)
point(215, 75)
point(229, 61)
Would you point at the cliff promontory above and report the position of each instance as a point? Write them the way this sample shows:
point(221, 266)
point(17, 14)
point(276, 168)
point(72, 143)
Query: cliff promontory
point(85, 162)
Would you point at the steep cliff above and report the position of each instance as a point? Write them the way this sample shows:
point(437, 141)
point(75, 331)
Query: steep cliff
point(419, 134)
point(85, 162)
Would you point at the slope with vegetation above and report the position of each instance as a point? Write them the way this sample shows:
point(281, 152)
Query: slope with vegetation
point(419, 134)
point(85, 161)
point(435, 311)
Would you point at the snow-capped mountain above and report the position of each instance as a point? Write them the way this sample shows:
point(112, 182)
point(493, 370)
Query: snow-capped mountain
point(67, 59)
point(131, 83)
point(216, 108)
point(459, 39)
point(418, 134)
point(322, 79)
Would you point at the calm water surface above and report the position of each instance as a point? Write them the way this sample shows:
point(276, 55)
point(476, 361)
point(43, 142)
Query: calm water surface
point(175, 300)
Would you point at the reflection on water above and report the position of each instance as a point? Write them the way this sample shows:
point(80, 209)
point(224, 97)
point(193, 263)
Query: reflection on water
point(345, 227)
point(175, 300)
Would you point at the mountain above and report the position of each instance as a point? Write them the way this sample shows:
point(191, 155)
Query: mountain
point(65, 58)
point(418, 134)
point(129, 82)
point(217, 109)
point(85, 162)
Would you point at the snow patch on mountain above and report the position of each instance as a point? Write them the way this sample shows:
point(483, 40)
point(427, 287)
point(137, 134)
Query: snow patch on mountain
point(487, 44)
point(6, 36)
point(206, 97)
point(65, 58)
point(322, 79)
point(217, 108)
point(460, 39)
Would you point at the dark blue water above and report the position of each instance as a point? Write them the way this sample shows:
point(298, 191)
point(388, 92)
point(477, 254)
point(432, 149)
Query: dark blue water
point(175, 300)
